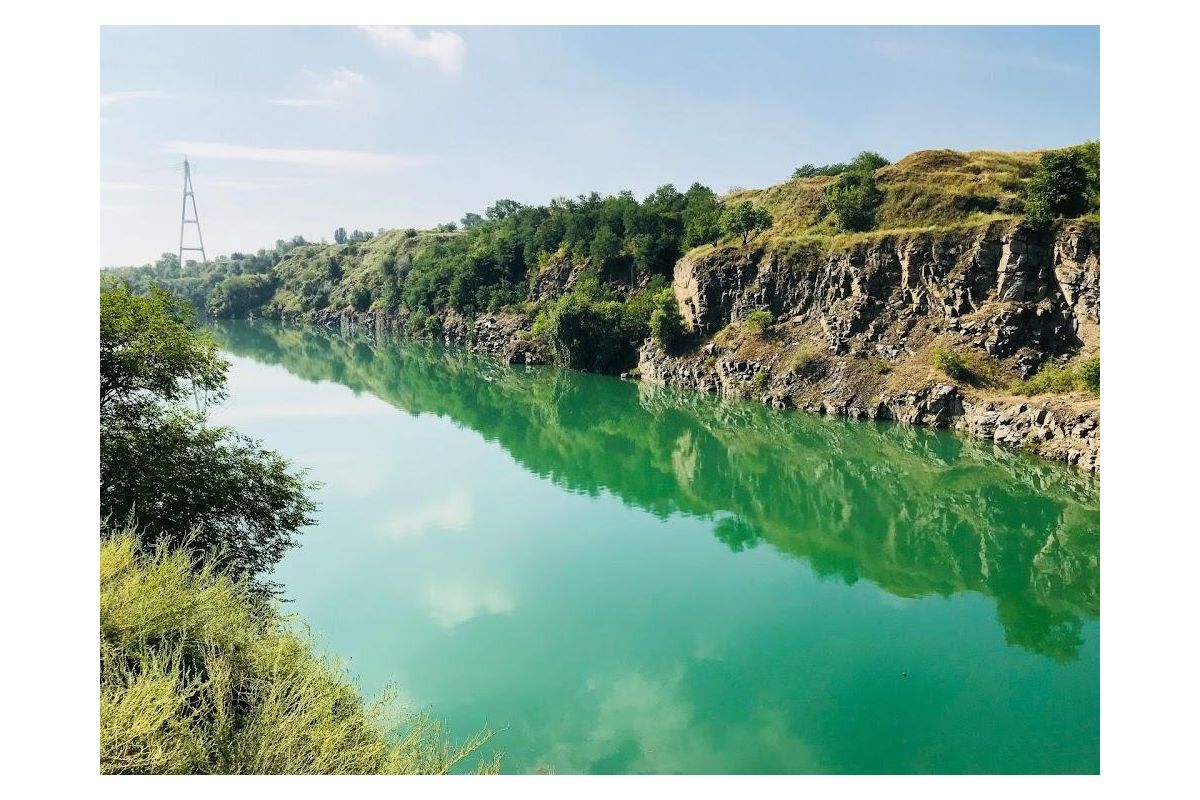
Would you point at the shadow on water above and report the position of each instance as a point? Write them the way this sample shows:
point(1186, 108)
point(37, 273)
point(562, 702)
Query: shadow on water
point(916, 512)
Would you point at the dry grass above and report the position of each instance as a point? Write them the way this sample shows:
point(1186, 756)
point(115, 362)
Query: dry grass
point(197, 677)
point(925, 191)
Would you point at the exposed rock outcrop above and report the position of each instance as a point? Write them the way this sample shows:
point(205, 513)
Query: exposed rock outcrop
point(855, 328)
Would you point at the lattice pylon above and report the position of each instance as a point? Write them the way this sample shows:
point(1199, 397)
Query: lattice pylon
point(195, 220)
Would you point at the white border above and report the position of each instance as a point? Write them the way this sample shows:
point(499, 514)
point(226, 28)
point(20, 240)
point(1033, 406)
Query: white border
point(50, 164)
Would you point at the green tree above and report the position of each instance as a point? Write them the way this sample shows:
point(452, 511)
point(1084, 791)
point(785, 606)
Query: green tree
point(701, 217)
point(208, 490)
point(868, 161)
point(1066, 183)
point(339, 236)
point(853, 200)
point(605, 248)
point(744, 220)
point(150, 351)
point(470, 220)
point(666, 323)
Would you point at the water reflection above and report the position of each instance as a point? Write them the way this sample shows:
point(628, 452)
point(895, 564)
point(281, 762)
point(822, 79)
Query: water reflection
point(914, 511)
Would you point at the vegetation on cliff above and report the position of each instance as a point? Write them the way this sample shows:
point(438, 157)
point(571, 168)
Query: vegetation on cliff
point(526, 260)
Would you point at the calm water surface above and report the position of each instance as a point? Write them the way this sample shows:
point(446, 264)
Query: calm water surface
point(620, 578)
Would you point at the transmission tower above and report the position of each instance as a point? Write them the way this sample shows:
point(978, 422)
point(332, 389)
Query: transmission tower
point(195, 220)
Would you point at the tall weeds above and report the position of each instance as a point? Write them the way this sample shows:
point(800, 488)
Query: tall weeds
point(198, 675)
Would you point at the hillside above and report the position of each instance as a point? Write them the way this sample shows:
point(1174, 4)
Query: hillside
point(946, 278)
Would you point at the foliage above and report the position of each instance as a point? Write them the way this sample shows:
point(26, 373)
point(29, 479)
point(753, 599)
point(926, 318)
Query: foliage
point(951, 363)
point(701, 217)
point(1083, 376)
point(206, 489)
point(238, 295)
point(150, 351)
point(758, 320)
point(813, 171)
point(744, 220)
point(854, 197)
point(865, 160)
point(1066, 183)
point(666, 323)
point(197, 676)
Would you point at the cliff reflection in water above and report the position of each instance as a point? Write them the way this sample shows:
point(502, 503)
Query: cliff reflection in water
point(915, 511)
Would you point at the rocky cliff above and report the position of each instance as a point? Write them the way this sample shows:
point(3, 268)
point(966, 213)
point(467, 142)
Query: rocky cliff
point(856, 330)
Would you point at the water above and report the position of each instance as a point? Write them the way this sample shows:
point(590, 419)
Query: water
point(620, 578)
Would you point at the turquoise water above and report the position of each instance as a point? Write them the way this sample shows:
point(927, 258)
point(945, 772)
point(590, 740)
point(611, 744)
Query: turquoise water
point(618, 578)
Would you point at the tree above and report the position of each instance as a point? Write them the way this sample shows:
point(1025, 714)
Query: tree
point(745, 219)
point(470, 220)
point(666, 323)
point(1066, 183)
point(701, 217)
point(339, 236)
point(605, 248)
point(150, 351)
point(208, 490)
point(868, 161)
point(853, 199)
point(501, 209)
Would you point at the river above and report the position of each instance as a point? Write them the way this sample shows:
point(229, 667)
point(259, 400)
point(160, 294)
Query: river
point(619, 578)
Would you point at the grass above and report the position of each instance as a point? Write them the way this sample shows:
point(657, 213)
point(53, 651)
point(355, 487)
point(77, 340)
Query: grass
point(757, 321)
point(1081, 376)
point(197, 677)
point(926, 190)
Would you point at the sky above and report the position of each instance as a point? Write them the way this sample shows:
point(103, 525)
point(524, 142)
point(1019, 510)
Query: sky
point(300, 130)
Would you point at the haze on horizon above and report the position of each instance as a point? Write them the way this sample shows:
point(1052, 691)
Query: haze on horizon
point(296, 130)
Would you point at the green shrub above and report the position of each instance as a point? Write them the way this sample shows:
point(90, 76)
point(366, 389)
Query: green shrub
point(1089, 375)
point(951, 363)
point(760, 379)
point(853, 200)
point(666, 323)
point(199, 677)
point(1083, 376)
point(757, 321)
point(1066, 183)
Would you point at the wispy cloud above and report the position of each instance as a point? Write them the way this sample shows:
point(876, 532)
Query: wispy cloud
point(109, 98)
point(446, 49)
point(303, 157)
point(332, 89)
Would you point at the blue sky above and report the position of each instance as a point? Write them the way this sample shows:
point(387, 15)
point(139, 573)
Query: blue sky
point(300, 130)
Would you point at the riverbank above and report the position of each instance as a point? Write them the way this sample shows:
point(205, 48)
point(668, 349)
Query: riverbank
point(939, 330)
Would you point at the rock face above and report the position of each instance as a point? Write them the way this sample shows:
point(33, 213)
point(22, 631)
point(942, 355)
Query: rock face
point(855, 329)
point(1009, 290)
point(501, 335)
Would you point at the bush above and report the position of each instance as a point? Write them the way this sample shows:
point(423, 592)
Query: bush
point(198, 677)
point(1083, 376)
point(1066, 183)
point(237, 296)
point(951, 363)
point(666, 323)
point(853, 200)
point(757, 321)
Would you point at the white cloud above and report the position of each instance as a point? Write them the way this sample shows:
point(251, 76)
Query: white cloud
point(446, 49)
point(333, 89)
point(339, 159)
point(453, 512)
point(451, 604)
point(109, 98)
